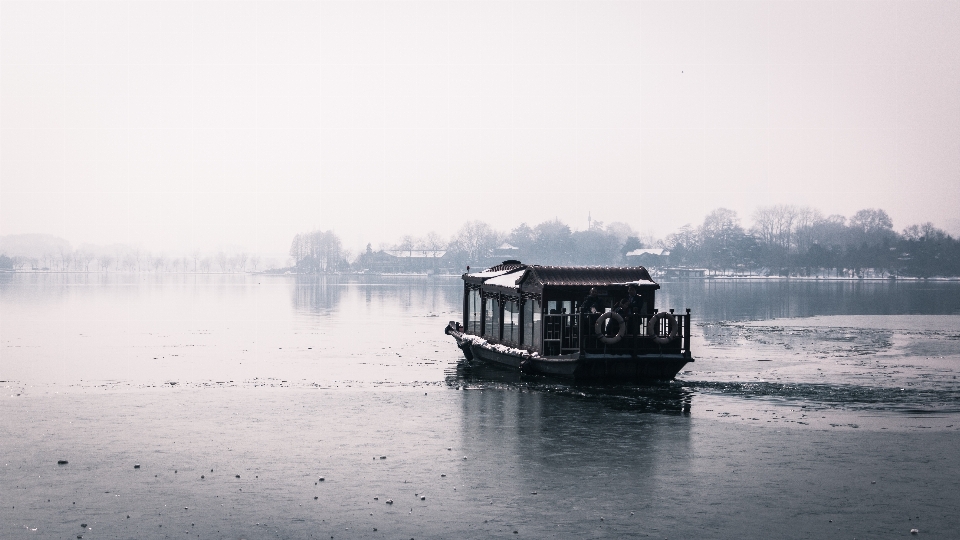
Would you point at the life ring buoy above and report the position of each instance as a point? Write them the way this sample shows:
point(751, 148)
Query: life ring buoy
point(653, 328)
point(598, 327)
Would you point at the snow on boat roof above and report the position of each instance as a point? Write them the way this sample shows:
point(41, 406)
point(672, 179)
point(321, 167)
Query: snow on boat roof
point(591, 276)
point(487, 274)
point(535, 277)
point(508, 279)
point(637, 283)
point(503, 268)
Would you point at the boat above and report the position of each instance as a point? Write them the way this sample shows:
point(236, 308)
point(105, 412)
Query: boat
point(532, 318)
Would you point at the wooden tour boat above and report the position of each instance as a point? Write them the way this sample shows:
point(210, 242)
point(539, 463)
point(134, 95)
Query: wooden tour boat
point(528, 317)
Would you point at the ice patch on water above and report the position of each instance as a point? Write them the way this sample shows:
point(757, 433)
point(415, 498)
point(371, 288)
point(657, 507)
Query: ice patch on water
point(905, 363)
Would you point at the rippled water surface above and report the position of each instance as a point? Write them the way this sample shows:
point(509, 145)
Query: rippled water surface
point(816, 408)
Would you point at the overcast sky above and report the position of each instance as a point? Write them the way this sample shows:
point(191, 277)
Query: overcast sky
point(183, 125)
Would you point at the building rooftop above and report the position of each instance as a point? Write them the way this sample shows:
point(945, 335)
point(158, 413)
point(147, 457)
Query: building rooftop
point(416, 253)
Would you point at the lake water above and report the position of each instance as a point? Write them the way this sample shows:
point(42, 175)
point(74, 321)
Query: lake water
point(812, 409)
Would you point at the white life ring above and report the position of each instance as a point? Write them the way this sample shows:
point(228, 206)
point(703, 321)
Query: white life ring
point(598, 327)
point(653, 328)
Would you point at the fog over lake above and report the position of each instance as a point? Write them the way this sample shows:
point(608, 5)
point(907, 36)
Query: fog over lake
point(234, 125)
point(811, 409)
point(232, 232)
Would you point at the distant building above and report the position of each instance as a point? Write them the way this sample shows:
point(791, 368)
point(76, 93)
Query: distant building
point(505, 252)
point(648, 257)
point(683, 272)
point(407, 261)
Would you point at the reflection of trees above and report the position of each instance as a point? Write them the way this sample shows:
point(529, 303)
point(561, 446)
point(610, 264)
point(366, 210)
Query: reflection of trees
point(422, 295)
point(316, 293)
point(721, 300)
point(415, 296)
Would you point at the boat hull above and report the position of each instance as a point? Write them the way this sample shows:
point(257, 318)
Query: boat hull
point(574, 366)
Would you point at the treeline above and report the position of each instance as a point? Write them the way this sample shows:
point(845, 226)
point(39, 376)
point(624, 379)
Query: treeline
point(550, 243)
point(781, 240)
point(34, 252)
point(476, 244)
point(792, 240)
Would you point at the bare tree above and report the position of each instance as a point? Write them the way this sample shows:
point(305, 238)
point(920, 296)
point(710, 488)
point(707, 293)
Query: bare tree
point(222, 261)
point(553, 242)
point(66, 256)
point(138, 256)
point(317, 251)
point(872, 226)
point(242, 261)
point(807, 219)
point(435, 245)
point(474, 240)
point(78, 262)
point(870, 220)
point(254, 262)
point(407, 243)
point(774, 225)
point(129, 262)
point(720, 237)
point(925, 231)
point(621, 231)
point(683, 245)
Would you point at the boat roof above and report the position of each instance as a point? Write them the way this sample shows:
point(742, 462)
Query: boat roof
point(504, 268)
point(515, 277)
point(591, 276)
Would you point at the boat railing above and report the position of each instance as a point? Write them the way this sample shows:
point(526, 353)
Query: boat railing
point(569, 333)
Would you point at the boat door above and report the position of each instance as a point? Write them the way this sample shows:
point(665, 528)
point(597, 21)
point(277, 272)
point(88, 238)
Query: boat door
point(561, 329)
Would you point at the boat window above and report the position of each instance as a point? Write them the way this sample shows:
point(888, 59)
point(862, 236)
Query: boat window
point(491, 322)
point(558, 308)
point(474, 312)
point(531, 323)
point(511, 321)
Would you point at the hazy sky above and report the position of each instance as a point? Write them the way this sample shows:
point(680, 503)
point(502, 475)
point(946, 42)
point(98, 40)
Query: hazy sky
point(182, 125)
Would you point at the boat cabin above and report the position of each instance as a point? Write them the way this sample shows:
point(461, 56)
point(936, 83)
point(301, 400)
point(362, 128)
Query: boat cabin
point(538, 309)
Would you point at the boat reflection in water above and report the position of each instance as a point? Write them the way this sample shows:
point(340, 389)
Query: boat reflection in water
point(655, 397)
point(559, 450)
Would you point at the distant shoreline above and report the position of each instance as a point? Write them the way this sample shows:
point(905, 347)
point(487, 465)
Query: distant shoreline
point(424, 275)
